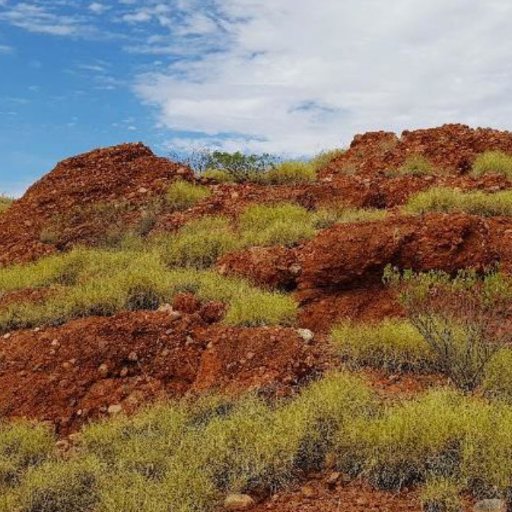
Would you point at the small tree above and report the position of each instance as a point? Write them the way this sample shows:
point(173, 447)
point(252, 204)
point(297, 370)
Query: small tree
point(461, 318)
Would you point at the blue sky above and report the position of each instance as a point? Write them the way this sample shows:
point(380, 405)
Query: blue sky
point(283, 76)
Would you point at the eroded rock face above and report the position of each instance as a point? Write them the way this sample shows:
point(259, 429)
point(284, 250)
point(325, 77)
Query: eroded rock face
point(343, 256)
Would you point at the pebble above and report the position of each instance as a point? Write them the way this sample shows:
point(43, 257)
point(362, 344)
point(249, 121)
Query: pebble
point(55, 343)
point(114, 409)
point(7, 336)
point(333, 478)
point(103, 370)
point(133, 357)
point(238, 502)
point(306, 335)
point(123, 372)
point(308, 491)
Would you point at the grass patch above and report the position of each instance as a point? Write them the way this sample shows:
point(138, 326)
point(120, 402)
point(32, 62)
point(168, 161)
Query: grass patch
point(187, 455)
point(393, 345)
point(99, 282)
point(497, 381)
point(182, 195)
point(22, 445)
point(441, 495)
point(290, 173)
point(324, 158)
point(219, 176)
point(5, 203)
point(199, 243)
point(447, 200)
point(493, 162)
point(416, 165)
point(284, 223)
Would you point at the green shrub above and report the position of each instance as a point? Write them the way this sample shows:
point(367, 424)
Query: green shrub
point(199, 243)
point(458, 318)
point(22, 445)
point(445, 200)
point(441, 495)
point(494, 162)
point(284, 223)
point(60, 486)
point(182, 194)
point(5, 203)
point(291, 173)
point(219, 176)
point(394, 345)
point(324, 158)
point(497, 381)
point(416, 165)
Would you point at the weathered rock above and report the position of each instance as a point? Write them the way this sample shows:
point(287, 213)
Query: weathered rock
point(238, 502)
point(306, 334)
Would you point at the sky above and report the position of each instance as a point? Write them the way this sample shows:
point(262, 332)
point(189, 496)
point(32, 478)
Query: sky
point(290, 77)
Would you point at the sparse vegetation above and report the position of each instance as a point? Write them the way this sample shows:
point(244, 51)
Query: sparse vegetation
point(460, 318)
point(290, 173)
point(187, 455)
point(98, 282)
point(493, 162)
point(416, 165)
point(183, 194)
point(218, 175)
point(446, 200)
point(324, 158)
point(394, 345)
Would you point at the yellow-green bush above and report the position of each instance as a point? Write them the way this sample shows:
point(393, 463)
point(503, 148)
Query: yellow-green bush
point(59, 486)
point(392, 345)
point(408, 443)
point(186, 456)
point(290, 173)
point(445, 200)
point(199, 243)
point(493, 162)
point(441, 495)
point(324, 158)
point(416, 165)
point(22, 445)
point(497, 381)
point(5, 203)
point(219, 175)
point(183, 194)
point(284, 223)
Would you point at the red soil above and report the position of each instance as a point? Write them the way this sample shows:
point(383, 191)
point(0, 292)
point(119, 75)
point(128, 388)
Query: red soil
point(73, 373)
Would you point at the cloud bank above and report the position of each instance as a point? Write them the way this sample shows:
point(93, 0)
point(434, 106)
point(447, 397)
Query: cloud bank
point(296, 76)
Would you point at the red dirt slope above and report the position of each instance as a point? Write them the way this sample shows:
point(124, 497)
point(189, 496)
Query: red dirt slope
point(128, 172)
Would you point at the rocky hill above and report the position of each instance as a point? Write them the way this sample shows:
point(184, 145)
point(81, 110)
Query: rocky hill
point(113, 298)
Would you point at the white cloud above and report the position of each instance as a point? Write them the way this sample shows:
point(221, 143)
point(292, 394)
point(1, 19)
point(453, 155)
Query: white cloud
point(5, 49)
point(296, 77)
point(39, 19)
point(98, 8)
